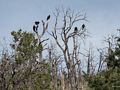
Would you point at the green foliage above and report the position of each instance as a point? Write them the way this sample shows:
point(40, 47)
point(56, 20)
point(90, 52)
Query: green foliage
point(26, 46)
point(42, 79)
point(27, 75)
point(108, 79)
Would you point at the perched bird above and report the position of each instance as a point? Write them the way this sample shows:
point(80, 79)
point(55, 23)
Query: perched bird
point(35, 29)
point(48, 17)
point(37, 22)
point(75, 30)
point(83, 26)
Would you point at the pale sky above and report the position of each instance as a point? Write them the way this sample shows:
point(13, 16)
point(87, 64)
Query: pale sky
point(103, 15)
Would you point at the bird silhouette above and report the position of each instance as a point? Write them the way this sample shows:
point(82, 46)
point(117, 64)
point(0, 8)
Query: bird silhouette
point(37, 22)
point(35, 29)
point(75, 30)
point(83, 26)
point(48, 17)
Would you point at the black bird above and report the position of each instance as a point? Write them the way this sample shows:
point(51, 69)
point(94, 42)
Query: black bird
point(35, 29)
point(37, 22)
point(48, 17)
point(75, 30)
point(83, 26)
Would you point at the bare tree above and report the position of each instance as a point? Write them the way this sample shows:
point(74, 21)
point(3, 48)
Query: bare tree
point(55, 60)
point(101, 60)
point(63, 36)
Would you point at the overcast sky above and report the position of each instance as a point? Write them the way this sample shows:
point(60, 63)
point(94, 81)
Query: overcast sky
point(103, 15)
